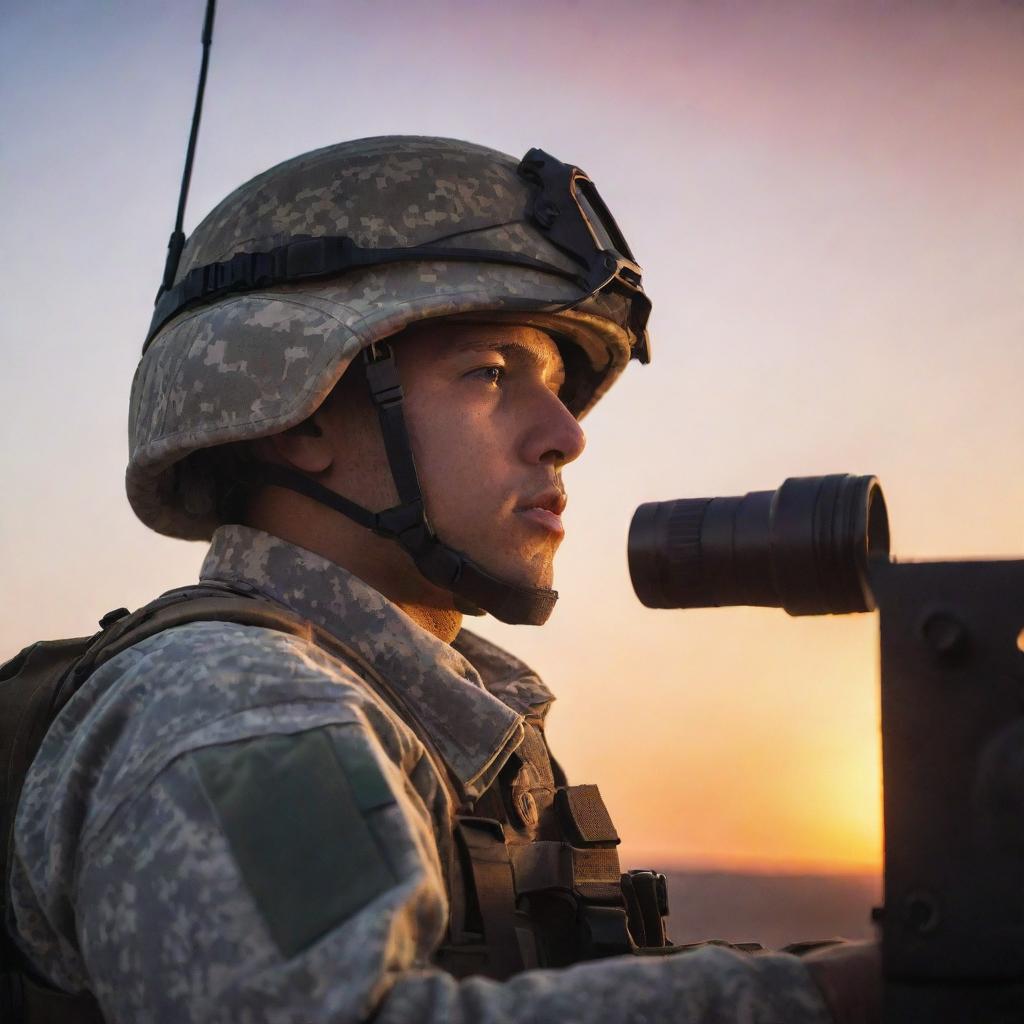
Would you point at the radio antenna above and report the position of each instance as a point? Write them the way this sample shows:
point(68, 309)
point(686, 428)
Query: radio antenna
point(177, 240)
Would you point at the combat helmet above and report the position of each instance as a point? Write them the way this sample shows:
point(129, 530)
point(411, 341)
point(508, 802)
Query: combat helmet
point(316, 263)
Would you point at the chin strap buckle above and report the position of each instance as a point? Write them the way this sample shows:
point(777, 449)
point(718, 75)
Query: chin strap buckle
point(382, 375)
point(397, 521)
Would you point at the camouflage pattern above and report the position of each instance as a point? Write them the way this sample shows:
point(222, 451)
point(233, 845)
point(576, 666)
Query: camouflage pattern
point(125, 881)
point(258, 363)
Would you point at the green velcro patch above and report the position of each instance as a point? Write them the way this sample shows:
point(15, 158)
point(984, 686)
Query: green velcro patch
point(294, 811)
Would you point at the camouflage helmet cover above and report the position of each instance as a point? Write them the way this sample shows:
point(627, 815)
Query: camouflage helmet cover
point(254, 364)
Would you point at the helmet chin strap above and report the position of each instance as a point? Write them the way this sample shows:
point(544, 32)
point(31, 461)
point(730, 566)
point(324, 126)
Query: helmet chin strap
point(475, 589)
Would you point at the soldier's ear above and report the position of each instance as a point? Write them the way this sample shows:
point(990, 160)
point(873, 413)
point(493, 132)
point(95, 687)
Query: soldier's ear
point(305, 447)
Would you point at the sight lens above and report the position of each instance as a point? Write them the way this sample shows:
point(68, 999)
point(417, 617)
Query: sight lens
point(804, 547)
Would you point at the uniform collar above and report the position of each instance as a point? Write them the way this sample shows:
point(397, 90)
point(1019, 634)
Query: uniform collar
point(507, 678)
point(472, 729)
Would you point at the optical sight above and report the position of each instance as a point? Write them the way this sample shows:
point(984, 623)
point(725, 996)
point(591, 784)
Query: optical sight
point(805, 547)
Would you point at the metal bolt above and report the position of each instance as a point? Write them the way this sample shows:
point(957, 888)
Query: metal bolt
point(946, 635)
point(546, 213)
point(921, 912)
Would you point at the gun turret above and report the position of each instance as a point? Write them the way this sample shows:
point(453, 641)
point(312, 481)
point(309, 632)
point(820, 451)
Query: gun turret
point(952, 679)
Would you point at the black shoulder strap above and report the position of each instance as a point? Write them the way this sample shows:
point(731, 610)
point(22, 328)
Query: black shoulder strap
point(493, 886)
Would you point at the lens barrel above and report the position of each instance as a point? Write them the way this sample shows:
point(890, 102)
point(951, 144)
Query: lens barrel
point(805, 547)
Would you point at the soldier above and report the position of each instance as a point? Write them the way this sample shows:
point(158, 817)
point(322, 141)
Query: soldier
point(362, 389)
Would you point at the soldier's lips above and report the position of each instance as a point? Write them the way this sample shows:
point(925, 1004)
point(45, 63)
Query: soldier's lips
point(543, 518)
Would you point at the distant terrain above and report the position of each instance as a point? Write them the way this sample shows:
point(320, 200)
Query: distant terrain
point(771, 909)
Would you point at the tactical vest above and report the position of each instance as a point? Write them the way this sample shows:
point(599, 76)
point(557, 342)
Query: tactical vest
point(537, 882)
point(535, 878)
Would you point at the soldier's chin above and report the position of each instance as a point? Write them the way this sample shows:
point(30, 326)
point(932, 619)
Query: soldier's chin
point(533, 569)
point(535, 572)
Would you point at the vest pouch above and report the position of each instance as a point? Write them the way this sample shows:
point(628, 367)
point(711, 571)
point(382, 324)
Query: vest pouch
point(584, 818)
point(532, 902)
point(646, 895)
point(603, 931)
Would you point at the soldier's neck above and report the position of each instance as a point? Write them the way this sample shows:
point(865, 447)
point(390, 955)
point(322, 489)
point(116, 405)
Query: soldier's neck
point(378, 562)
point(444, 623)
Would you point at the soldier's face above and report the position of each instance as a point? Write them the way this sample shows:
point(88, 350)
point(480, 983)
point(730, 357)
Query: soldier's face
point(490, 437)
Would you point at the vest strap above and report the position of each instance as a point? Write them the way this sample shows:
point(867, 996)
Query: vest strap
point(483, 842)
point(34, 1003)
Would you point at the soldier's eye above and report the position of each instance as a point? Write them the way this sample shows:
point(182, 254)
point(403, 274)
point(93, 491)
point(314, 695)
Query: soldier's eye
point(492, 374)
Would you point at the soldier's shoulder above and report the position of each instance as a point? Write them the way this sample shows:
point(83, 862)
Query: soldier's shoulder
point(232, 664)
point(195, 686)
point(184, 681)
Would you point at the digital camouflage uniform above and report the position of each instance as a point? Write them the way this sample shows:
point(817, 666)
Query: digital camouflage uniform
point(227, 824)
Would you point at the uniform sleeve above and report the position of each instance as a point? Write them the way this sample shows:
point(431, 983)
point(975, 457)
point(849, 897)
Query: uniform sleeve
point(293, 877)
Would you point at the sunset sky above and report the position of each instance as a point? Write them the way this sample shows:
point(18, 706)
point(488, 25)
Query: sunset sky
point(827, 201)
